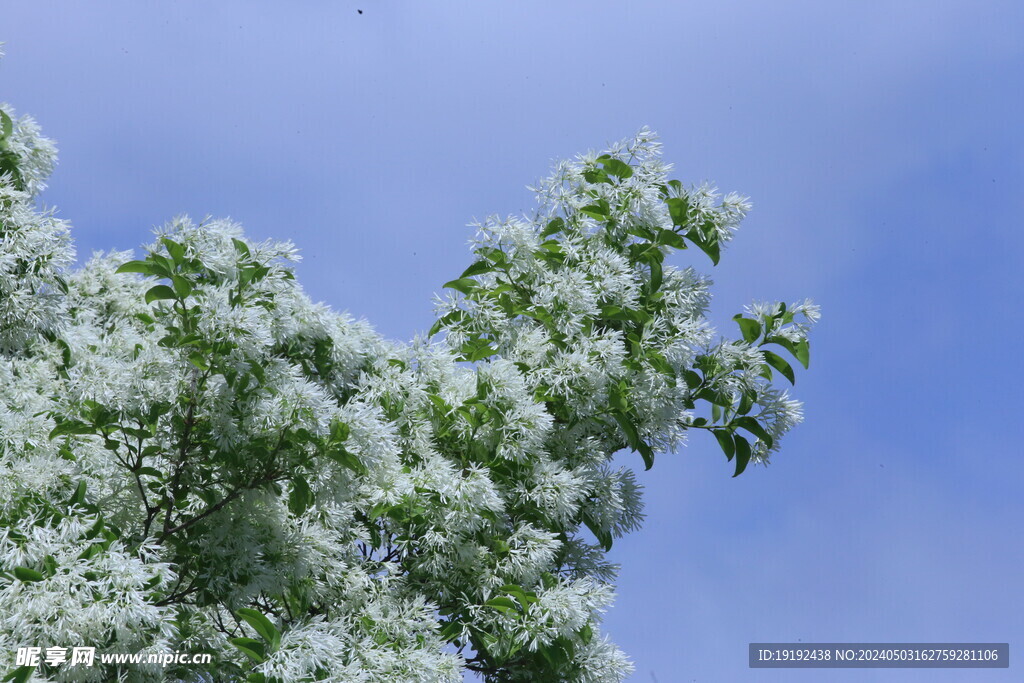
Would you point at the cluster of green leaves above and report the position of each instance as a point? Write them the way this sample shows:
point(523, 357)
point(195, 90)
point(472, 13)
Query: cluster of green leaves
point(733, 416)
point(763, 332)
point(497, 651)
point(702, 233)
point(645, 248)
point(469, 434)
point(170, 450)
point(257, 649)
point(96, 539)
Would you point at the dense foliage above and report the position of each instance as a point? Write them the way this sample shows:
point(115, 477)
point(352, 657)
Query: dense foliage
point(196, 457)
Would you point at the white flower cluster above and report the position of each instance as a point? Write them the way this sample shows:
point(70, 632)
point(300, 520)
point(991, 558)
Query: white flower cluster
point(35, 247)
point(194, 455)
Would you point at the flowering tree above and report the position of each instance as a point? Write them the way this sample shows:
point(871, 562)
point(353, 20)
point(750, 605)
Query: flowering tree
point(194, 457)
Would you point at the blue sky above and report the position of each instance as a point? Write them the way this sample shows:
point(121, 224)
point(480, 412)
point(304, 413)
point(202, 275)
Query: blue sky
point(881, 147)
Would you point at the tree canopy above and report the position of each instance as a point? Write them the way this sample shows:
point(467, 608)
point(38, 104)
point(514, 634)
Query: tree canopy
point(195, 457)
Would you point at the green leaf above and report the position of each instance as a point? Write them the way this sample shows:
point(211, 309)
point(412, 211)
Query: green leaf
point(715, 396)
point(708, 245)
point(251, 648)
point(617, 397)
point(440, 404)
point(780, 364)
point(96, 529)
point(182, 287)
point(725, 440)
point(671, 238)
point(803, 353)
point(632, 438)
point(347, 459)
point(256, 370)
point(647, 453)
point(71, 427)
point(339, 431)
point(261, 625)
point(746, 402)
point(476, 268)
point(555, 225)
point(742, 455)
point(656, 276)
point(601, 210)
point(617, 168)
point(300, 496)
point(458, 315)
point(160, 292)
point(477, 349)
point(161, 265)
point(492, 254)
point(755, 428)
point(65, 353)
point(451, 629)
point(552, 246)
point(240, 246)
point(801, 350)
point(6, 124)
point(502, 604)
point(463, 284)
point(559, 653)
point(176, 251)
point(79, 496)
point(524, 597)
point(197, 340)
point(23, 673)
point(615, 313)
point(751, 329)
point(27, 575)
point(49, 565)
point(692, 379)
point(596, 175)
point(603, 536)
point(144, 267)
point(641, 231)
point(679, 209)
point(660, 363)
